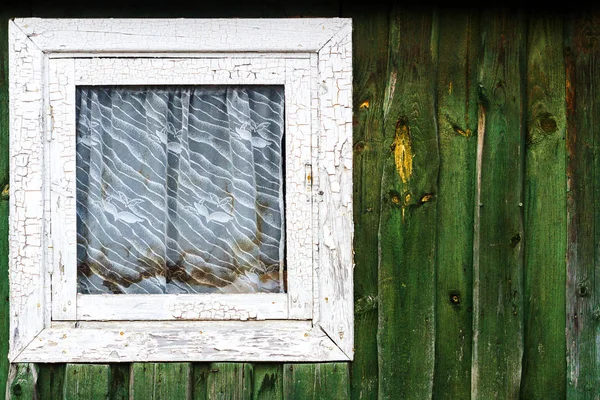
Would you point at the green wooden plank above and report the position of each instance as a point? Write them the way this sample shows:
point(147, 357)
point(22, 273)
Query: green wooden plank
point(120, 379)
point(86, 381)
point(370, 59)
point(51, 379)
point(498, 244)
point(457, 124)
point(200, 374)
point(325, 381)
point(21, 382)
point(583, 213)
point(407, 230)
point(229, 381)
point(157, 381)
point(544, 358)
point(268, 381)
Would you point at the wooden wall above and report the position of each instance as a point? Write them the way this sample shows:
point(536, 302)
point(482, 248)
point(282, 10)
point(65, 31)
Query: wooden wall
point(475, 213)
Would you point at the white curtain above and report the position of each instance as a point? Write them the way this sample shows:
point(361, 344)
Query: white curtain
point(180, 189)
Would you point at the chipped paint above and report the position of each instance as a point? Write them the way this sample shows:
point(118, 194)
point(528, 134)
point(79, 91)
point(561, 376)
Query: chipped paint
point(403, 154)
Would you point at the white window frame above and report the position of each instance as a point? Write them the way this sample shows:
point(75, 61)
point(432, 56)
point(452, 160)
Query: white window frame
point(50, 322)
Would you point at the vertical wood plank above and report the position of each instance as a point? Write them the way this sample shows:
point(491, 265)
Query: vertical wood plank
point(583, 214)
point(231, 381)
point(544, 358)
point(200, 374)
point(21, 382)
point(498, 258)
point(370, 38)
point(119, 383)
point(457, 124)
point(407, 228)
point(161, 381)
point(325, 381)
point(268, 381)
point(51, 378)
point(86, 381)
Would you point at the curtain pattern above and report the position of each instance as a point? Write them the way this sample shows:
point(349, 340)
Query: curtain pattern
point(180, 189)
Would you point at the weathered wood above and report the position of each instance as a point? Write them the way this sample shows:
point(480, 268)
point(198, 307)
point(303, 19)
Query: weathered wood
point(498, 247)
point(583, 211)
point(120, 381)
point(51, 378)
point(156, 381)
point(326, 381)
point(87, 381)
point(200, 374)
point(229, 381)
point(268, 381)
point(21, 382)
point(457, 124)
point(370, 57)
point(4, 324)
point(544, 362)
point(407, 230)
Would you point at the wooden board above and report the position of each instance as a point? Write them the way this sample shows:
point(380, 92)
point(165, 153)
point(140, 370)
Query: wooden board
point(316, 381)
point(407, 228)
point(544, 366)
point(87, 382)
point(155, 381)
point(583, 213)
point(370, 66)
point(498, 241)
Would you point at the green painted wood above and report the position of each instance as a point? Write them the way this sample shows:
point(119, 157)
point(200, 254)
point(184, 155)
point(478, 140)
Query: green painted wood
point(583, 213)
point(268, 381)
point(498, 244)
point(51, 378)
point(325, 381)
point(407, 228)
point(120, 380)
point(86, 381)
point(370, 59)
point(157, 381)
point(200, 374)
point(457, 124)
point(545, 240)
point(231, 381)
point(22, 379)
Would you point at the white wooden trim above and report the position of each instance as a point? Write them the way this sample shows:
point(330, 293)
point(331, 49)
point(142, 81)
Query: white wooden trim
point(181, 35)
point(26, 240)
point(63, 223)
point(299, 227)
point(165, 307)
point(319, 47)
point(273, 341)
point(335, 260)
point(179, 71)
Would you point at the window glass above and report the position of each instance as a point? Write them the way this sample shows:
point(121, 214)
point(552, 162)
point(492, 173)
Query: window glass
point(180, 189)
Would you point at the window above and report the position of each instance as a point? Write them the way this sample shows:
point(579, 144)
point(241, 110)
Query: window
point(181, 190)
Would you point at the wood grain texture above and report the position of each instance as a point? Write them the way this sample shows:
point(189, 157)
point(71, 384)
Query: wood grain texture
point(22, 380)
point(544, 357)
point(457, 124)
point(267, 381)
point(154, 381)
point(325, 381)
point(370, 57)
point(583, 214)
point(407, 227)
point(84, 382)
point(51, 378)
point(229, 381)
point(498, 258)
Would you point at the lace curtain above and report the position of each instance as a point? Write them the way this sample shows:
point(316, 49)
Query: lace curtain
point(180, 189)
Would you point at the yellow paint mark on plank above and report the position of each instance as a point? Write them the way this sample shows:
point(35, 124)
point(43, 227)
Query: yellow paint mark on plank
point(365, 104)
point(403, 156)
point(4, 194)
point(450, 88)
